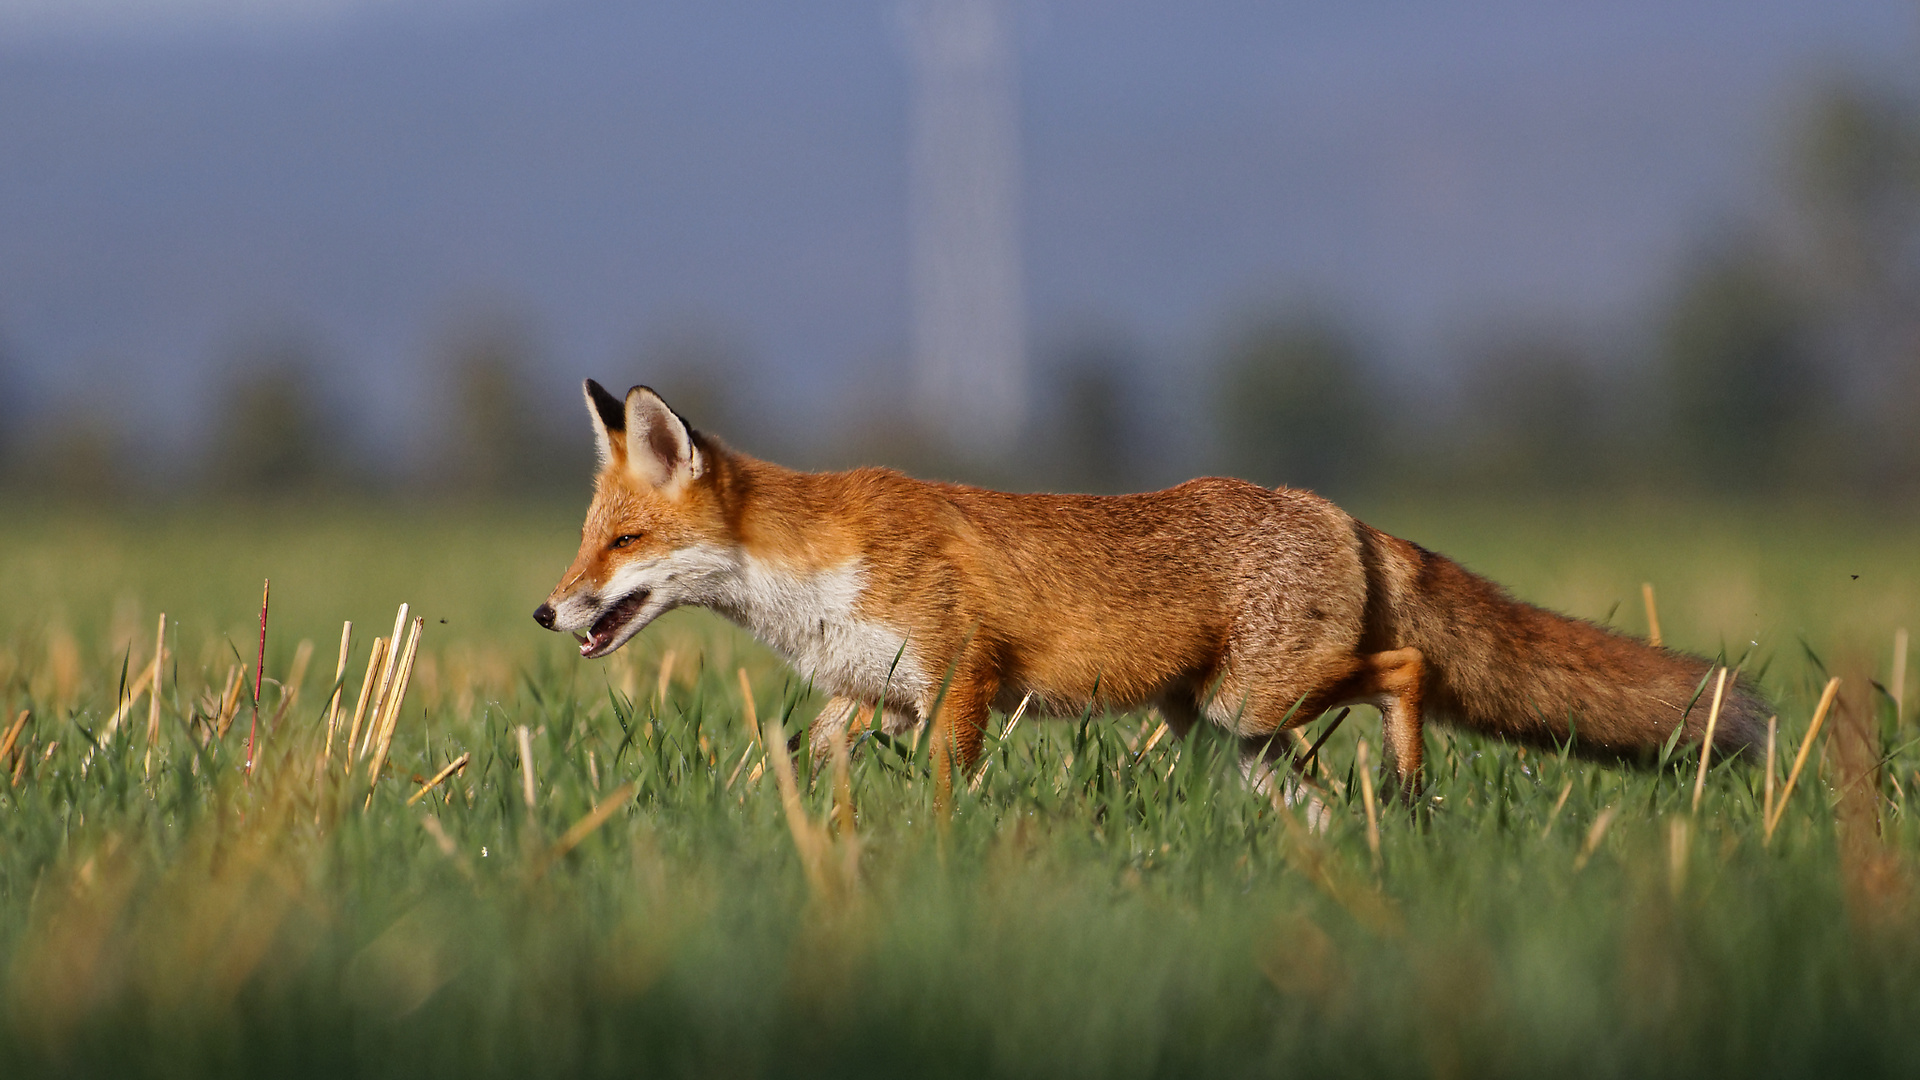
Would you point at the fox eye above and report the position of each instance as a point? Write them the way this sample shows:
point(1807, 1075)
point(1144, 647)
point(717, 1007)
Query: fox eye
point(624, 540)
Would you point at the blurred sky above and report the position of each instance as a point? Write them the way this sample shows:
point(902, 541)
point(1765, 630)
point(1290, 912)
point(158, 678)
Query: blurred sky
point(176, 175)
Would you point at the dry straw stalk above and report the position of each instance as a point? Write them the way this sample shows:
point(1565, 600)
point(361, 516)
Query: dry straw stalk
point(138, 687)
point(1897, 686)
point(453, 766)
point(1021, 710)
point(339, 685)
point(665, 680)
point(1706, 741)
point(746, 695)
point(390, 715)
point(735, 774)
point(810, 838)
point(13, 732)
point(585, 826)
point(290, 690)
point(386, 680)
point(153, 698)
point(1310, 855)
point(842, 764)
point(526, 764)
point(1559, 804)
point(1362, 766)
point(1678, 835)
point(229, 702)
point(1773, 733)
point(1800, 759)
point(375, 655)
point(1595, 833)
point(1153, 740)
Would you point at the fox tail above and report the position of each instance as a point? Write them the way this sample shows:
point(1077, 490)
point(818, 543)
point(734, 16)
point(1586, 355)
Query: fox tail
point(1505, 667)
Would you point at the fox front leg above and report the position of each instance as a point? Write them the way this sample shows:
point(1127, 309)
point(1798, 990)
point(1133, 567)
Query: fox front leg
point(959, 724)
point(844, 716)
point(832, 723)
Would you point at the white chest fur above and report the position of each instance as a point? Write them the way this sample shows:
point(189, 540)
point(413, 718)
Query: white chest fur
point(813, 621)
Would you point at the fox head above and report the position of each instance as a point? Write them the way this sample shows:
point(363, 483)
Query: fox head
point(655, 537)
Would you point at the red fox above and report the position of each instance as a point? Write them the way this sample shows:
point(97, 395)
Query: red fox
point(1251, 608)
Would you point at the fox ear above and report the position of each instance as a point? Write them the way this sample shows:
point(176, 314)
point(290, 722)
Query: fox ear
point(609, 422)
point(659, 449)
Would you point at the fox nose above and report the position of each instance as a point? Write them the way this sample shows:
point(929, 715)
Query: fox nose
point(544, 615)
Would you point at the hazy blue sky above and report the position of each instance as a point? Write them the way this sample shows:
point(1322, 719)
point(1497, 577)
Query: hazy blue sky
point(177, 174)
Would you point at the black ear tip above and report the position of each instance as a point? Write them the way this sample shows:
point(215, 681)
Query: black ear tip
point(611, 411)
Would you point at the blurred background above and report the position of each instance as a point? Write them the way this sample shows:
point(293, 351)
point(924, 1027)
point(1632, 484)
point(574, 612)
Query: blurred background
point(285, 248)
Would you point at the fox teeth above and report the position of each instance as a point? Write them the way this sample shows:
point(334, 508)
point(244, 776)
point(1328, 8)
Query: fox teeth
point(581, 638)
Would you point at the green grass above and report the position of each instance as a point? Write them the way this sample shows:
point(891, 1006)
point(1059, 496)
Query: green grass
point(1088, 911)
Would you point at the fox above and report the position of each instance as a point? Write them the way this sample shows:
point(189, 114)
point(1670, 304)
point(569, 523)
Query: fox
point(916, 603)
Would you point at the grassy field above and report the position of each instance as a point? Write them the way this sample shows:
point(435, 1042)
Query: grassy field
point(635, 896)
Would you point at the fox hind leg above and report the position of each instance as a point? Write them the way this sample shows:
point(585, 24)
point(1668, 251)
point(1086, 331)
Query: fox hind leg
point(1394, 682)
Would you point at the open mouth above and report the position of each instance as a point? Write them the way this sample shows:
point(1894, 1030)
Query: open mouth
point(599, 637)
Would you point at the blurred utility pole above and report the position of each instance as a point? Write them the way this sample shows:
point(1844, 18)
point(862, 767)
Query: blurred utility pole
point(969, 318)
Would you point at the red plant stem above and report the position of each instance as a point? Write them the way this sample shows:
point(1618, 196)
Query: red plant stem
point(259, 669)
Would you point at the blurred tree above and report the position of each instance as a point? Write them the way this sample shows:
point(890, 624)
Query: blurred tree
point(1857, 170)
point(1533, 413)
point(498, 441)
point(13, 410)
point(1092, 399)
point(1296, 406)
point(1856, 165)
point(1740, 376)
point(74, 453)
point(269, 433)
